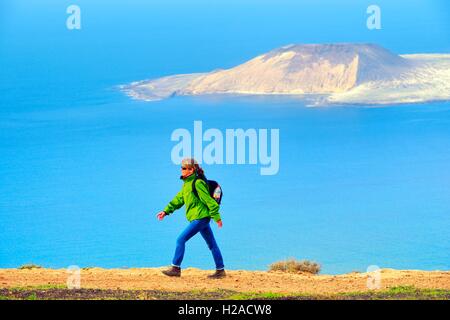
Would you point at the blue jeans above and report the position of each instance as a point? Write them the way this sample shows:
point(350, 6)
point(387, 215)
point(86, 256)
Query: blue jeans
point(191, 230)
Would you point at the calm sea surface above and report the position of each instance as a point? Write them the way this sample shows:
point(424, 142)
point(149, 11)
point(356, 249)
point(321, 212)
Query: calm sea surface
point(84, 169)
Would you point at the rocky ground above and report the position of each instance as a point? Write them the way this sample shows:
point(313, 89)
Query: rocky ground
point(96, 283)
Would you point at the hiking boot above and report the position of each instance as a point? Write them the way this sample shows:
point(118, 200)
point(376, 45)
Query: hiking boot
point(172, 272)
point(217, 275)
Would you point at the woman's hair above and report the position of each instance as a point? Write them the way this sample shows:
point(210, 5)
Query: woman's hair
point(192, 163)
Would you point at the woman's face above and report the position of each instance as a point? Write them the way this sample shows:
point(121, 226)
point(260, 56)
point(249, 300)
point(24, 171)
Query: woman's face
point(186, 171)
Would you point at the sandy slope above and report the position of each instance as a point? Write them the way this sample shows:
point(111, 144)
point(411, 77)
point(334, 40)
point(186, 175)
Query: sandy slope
point(242, 281)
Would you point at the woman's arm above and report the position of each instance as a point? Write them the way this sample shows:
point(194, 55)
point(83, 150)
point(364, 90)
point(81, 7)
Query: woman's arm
point(176, 203)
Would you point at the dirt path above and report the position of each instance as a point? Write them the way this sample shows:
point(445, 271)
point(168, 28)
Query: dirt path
point(238, 281)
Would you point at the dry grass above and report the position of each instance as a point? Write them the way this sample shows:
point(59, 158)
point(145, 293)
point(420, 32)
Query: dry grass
point(29, 266)
point(295, 266)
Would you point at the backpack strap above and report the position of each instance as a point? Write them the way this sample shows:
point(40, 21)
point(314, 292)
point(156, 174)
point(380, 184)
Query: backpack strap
point(194, 189)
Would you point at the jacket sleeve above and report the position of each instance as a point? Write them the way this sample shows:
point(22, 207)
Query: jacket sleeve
point(176, 203)
point(205, 197)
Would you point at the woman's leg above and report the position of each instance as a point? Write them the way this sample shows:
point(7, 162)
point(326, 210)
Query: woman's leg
point(190, 231)
point(208, 235)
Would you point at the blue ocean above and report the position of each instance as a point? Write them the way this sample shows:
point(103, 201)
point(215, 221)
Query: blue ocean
point(84, 168)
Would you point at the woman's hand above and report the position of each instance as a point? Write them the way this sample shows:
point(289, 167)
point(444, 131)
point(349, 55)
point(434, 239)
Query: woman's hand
point(161, 215)
point(219, 223)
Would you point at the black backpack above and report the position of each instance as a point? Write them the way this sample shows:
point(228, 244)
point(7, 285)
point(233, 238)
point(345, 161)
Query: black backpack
point(214, 188)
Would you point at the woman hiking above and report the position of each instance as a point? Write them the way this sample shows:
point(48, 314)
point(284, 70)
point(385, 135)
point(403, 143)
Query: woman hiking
point(199, 211)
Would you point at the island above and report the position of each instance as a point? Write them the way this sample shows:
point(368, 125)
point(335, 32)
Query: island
point(342, 73)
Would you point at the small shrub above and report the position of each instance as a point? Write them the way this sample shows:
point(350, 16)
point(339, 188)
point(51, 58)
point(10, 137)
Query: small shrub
point(29, 266)
point(295, 266)
point(32, 296)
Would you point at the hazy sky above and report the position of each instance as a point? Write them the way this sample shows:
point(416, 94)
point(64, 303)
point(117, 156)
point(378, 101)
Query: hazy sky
point(407, 25)
point(186, 36)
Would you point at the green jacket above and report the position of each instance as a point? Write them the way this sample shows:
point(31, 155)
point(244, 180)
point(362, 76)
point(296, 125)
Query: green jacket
point(196, 208)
